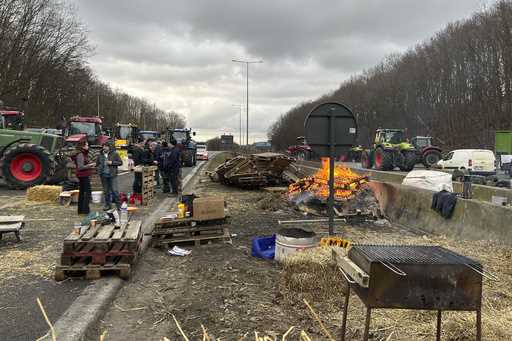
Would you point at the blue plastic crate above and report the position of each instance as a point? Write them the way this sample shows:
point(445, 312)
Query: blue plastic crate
point(264, 247)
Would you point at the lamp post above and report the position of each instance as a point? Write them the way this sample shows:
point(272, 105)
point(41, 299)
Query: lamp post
point(247, 62)
point(239, 106)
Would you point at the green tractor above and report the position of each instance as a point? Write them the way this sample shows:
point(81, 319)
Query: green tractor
point(390, 150)
point(28, 158)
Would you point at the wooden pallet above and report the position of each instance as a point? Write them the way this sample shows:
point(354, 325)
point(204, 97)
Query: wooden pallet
point(101, 245)
point(105, 237)
point(148, 185)
point(168, 223)
point(91, 271)
point(148, 194)
point(197, 235)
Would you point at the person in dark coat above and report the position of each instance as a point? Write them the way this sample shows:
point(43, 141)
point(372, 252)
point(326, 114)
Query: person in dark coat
point(164, 152)
point(156, 151)
point(106, 164)
point(141, 156)
point(171, 164)
point(84, 170)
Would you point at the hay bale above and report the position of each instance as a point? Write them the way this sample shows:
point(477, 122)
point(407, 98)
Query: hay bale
point(313, 275)
point(44, 193)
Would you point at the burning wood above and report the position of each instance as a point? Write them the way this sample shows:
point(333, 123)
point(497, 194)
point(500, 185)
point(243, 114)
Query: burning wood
point(346, 182)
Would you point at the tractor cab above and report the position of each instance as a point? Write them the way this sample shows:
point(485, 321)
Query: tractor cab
point(125, 134)
point(389, 136)
point(12, 118)
point(89, 128)
point(421, 141)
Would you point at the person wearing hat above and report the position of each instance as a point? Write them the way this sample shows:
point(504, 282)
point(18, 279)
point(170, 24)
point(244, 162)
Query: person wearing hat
point(106, 165)
point(84, 170)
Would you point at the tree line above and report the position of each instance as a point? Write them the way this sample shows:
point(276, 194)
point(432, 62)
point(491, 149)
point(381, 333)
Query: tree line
point(44, 71)
point(456, 87)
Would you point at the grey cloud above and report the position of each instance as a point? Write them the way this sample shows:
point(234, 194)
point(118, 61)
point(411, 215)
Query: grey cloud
point(178, 53)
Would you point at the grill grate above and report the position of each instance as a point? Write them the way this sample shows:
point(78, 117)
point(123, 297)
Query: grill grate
point(412, 254)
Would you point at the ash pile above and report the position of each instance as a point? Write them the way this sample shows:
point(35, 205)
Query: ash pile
point(353, 199)
point(256, 170)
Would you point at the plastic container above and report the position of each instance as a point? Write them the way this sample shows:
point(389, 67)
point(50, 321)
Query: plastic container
point(96, 196)
point(123, 217)
point(181, 210)
point(290, 241)
point(264, 247)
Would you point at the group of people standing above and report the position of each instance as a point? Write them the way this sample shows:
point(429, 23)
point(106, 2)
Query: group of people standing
point(106, 166)
point(166, 156)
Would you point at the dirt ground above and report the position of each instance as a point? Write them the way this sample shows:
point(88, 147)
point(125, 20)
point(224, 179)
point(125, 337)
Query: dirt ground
point(27, 268)
point(224, 289)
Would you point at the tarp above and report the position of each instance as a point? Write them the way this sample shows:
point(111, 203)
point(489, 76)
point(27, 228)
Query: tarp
point(431, 180)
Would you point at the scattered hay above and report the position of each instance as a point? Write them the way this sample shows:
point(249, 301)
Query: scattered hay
point(14, 262)
point(44, 193)
point(312, 275)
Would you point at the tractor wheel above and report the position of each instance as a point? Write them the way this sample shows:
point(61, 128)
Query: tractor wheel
point(383, 160)
point(409, 161)
point(431, 157)
point(26, 165)
point(366, 160)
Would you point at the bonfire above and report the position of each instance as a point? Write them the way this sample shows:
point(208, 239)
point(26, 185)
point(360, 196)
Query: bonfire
point(346, 183)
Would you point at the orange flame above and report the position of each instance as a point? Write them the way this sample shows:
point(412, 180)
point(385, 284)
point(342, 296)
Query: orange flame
point(346, 182)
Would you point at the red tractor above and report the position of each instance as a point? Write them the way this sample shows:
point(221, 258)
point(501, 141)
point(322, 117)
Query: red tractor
point(88, 128)
point(427, 153)
point(301, 151)
point(13, 118)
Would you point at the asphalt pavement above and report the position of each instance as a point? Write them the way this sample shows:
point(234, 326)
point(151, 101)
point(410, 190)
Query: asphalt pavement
point(20, 317)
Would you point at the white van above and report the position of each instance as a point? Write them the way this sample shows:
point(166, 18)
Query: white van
point(475, 161)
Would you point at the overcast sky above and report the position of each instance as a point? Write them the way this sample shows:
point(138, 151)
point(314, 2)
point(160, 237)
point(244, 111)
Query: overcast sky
point(178, 54)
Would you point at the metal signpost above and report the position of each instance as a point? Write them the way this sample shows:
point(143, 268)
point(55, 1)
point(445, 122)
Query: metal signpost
point(331, 129)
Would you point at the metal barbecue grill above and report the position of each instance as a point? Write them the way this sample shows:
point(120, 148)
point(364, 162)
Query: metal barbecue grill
point(412, 277)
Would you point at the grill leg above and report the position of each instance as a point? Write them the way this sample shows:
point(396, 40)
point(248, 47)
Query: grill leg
point(478, 325)
point(345, 313)
point(438, 336)
point(367, 324)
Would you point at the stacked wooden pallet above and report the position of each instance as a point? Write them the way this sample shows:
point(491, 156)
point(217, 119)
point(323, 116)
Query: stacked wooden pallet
point(255, 170)
point(148, 184)
point(188, 231)
point(99, 250)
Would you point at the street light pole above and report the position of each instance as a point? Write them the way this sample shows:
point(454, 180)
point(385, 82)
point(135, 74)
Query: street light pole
point(239, 106)
point(247, 62)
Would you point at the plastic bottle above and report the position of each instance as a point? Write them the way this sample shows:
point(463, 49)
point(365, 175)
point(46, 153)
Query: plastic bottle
point(181, 210)
point(124, 213)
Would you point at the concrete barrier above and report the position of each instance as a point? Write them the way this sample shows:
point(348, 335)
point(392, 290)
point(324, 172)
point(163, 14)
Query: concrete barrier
point(479, 192)
point(472, 219)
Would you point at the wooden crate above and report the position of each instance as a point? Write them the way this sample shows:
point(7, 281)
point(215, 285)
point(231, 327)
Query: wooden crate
point(91, 271)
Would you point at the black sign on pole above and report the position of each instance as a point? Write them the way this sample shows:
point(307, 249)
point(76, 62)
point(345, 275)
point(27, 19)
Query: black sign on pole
point(330, 129)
